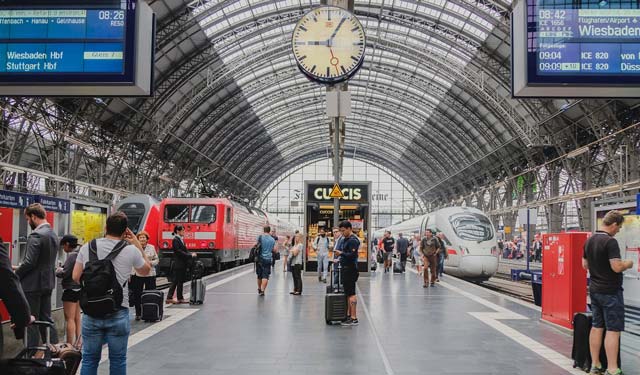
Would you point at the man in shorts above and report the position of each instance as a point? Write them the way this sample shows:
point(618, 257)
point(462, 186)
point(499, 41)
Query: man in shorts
point(263, 266)
point(602, 259)
point(348, 254)
point(388, 244)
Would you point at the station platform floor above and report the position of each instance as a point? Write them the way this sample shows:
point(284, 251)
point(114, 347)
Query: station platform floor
point(453, 328)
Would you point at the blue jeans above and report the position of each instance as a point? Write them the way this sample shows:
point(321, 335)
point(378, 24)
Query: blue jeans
point(323, 265)
point(114, 331)
point(440, 264)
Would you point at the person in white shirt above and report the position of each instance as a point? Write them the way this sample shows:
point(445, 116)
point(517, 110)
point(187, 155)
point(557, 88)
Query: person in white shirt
point(321, 245)
point(139, 282)
point(113, 329)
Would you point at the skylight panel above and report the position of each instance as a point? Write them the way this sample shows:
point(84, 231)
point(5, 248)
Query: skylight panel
point(215, 17)
point(475, 31)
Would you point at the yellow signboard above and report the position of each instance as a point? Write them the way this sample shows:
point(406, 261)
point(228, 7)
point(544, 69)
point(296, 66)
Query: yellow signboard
point(507, 230)
point(336, 192)
point(87, 225)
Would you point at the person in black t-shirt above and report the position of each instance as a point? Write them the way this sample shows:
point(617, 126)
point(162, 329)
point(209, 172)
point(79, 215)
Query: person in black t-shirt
point(602, 259)
point(348, 254)
point(387, 243)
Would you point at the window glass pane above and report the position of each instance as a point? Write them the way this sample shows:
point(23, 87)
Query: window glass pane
point(176, 213)
point(203, 214)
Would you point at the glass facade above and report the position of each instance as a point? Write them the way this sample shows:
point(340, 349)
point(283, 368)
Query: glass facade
point(392, 199)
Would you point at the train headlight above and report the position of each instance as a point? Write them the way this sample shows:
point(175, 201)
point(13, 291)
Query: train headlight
point(211, 245)
point(165, 245)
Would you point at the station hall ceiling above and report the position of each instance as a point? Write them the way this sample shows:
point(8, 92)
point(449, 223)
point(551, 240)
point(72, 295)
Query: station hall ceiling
point(431, 100)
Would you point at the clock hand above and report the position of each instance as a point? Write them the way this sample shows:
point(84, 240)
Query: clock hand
point(334, 60)
point(335, 32)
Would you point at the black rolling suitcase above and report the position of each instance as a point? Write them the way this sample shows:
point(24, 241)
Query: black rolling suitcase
point(580, 352)
point(397, 267)
point(24, 364)
point(335, 302)
point(198, 288)
point(152, 303)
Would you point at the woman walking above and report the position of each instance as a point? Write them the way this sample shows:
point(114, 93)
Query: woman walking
point(71, 289)
point(296, 264)
point(139, 282)
point(179, 268)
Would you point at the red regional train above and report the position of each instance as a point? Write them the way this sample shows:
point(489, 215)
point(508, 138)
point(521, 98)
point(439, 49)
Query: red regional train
point(220, 231)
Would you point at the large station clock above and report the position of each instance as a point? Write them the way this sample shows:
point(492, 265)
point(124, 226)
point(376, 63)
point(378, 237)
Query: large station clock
point(329, 44)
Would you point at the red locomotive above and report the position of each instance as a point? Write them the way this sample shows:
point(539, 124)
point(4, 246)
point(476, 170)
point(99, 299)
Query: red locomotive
point(219, 230)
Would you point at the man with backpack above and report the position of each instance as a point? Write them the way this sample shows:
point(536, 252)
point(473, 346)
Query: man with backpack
point(321, 246)
point(102, 268)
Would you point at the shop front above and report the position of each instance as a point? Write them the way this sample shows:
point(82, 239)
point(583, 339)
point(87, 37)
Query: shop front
point(354, 206)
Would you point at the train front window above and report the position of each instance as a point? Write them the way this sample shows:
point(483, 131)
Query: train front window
point(203, 214)
point(471, 226)
point(135, 213)
point(176, 213)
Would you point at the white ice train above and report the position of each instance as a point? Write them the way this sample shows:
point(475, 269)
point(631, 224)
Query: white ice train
point(469, 236)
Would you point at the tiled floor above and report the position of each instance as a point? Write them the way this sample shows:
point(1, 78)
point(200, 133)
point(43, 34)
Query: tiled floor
point(405, 330)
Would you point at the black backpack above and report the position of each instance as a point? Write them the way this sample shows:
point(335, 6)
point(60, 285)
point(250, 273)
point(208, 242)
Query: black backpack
point(254, 253)
point(101, 293)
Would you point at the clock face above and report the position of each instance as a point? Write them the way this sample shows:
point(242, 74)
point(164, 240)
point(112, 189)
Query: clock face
point(329, 44)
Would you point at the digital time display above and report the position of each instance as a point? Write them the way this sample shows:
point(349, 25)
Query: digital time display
point(588, 41)
point(62, 41)
point(67, 41)
point(583, 44)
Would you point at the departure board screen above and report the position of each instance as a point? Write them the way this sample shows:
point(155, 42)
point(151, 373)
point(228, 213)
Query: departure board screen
point(585, 42)
point(67, 41)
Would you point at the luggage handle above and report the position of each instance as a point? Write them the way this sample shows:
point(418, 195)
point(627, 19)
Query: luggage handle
point(46, 348)
point(49, 325)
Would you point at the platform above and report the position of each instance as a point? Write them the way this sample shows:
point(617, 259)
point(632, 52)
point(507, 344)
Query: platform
point(453, 328)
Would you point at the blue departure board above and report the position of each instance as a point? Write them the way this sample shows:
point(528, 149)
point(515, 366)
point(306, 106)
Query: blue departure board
point(67, 41)
point(591, 43)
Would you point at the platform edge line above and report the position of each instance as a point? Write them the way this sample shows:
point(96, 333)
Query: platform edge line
point(383, 354)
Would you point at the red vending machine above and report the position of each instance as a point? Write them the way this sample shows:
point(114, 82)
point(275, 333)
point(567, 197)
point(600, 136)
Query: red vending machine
point(564, 281)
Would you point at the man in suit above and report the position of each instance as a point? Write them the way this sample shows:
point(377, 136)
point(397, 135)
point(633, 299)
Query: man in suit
point(37, 271)
point(12, 296)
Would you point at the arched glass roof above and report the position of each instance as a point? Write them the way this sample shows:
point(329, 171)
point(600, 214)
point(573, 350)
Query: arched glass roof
point(432, 96)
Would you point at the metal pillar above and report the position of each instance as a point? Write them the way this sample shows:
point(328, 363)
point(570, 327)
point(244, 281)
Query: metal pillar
point(336, 167)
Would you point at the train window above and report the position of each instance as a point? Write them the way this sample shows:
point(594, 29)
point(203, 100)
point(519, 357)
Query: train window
point(203, 214)
point(228, 215)
point(135, 213)
point(471, 226)
point(177, 213)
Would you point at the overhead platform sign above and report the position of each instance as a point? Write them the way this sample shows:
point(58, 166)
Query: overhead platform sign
point(565, 50)
point(76, 48)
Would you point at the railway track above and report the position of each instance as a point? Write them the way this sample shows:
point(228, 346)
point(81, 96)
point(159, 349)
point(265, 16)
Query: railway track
point(520, 290)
